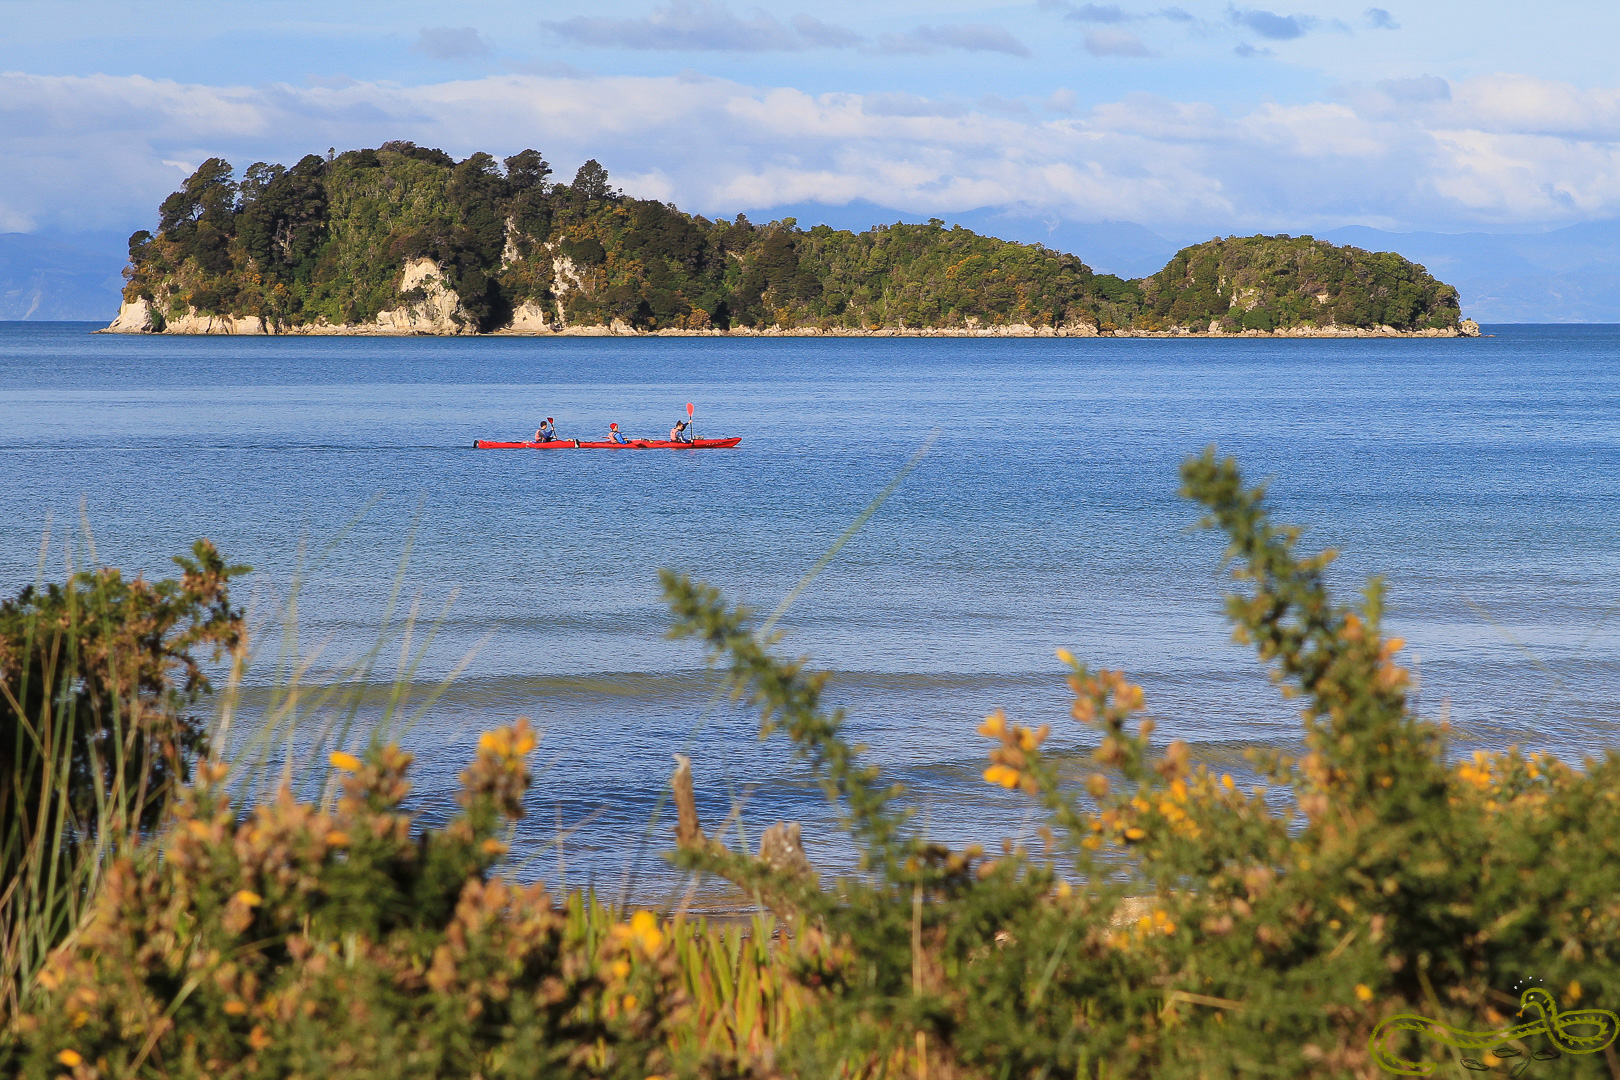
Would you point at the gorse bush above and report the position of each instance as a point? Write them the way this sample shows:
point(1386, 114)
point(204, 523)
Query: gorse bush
point(1171, 925)
point(295, 941)
point(1268, 944)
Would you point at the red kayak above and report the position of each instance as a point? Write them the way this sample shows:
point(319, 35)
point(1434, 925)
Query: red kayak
point(633, 444)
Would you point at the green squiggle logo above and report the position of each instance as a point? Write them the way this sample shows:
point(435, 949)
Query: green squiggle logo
point(1599, 1027)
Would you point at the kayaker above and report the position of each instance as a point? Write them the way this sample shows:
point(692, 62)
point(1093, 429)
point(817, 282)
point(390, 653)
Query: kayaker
point(678, 433)
point(615, 435)
point(547, 432)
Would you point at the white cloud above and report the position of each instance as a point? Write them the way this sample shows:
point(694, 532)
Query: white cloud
point(1414, 153)
point(1110, 42)
point(824, 35)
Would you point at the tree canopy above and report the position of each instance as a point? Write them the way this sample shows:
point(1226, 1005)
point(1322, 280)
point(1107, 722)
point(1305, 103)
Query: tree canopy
point(328, 239)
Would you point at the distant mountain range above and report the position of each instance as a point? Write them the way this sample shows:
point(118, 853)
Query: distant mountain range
point(1567, 275)
point(46, 277)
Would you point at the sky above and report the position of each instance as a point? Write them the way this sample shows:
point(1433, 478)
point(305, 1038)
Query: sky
point(1191, 118)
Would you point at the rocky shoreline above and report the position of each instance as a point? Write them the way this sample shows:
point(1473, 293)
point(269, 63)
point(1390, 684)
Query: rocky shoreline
point(427, 319)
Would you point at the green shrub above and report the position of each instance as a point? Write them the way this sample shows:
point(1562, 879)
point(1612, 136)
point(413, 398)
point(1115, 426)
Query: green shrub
point(300, 942)
point(99, 684)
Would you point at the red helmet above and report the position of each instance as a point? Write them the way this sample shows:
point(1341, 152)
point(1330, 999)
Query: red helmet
point(613, 427)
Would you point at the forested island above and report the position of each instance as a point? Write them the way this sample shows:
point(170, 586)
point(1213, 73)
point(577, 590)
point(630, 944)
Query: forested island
point(404, 239)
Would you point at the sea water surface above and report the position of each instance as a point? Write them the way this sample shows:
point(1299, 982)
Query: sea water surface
point(1480, 478)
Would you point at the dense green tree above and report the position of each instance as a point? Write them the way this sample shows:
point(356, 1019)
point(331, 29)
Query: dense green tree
point(526, 169)
point(591, 181)
point(209, 193)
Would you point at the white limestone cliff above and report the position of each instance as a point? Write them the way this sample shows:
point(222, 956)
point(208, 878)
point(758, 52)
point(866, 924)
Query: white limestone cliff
point(439, 311)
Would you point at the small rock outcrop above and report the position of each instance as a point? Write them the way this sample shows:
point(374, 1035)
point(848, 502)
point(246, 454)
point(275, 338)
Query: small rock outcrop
point(134, 317)
point(434, 309)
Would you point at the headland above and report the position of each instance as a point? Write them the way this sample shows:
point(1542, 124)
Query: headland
point(404, 240)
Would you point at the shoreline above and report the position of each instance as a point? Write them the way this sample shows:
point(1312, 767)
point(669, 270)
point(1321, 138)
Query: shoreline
point(140, 322)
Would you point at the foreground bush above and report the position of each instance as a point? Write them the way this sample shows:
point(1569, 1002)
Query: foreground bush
point(1172, 926)
point(296, 942)
point(1269, 944)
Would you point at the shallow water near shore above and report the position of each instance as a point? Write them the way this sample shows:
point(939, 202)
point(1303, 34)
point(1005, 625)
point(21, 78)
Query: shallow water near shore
point(1480, 477)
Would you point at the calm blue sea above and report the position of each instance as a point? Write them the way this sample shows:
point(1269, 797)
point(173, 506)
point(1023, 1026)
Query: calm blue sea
point(1481, 478)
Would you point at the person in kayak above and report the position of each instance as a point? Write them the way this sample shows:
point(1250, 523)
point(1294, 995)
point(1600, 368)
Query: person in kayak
point(615, 435)
point(678, 433)
point(547, 432)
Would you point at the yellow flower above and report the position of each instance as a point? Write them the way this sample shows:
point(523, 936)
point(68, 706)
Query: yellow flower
point(1133, 833)
point(644, 925)
point(1363, 992)
point(346, 762)
point(1001, 774)
point(494, 847)
point(1066, 656)
point(621, 969)
point(258, 1039)
point(337, 838)
point(235, 1008)
point(248, 899)
point(1573, 992)
point(70, 1058)
point(994, 725)
point(1226, 782)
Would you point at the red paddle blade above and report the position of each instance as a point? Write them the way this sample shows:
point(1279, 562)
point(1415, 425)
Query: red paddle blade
point(689, 408)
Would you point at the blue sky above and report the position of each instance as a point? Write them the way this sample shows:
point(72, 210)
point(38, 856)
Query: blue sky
point(1187, 117)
